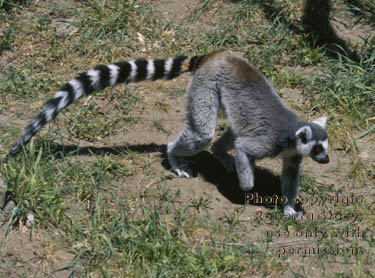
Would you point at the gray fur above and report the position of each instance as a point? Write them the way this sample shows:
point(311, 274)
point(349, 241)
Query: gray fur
point(261, 125)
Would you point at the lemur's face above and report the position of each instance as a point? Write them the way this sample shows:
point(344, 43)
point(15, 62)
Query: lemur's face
point(319, 152)
point(312, 140)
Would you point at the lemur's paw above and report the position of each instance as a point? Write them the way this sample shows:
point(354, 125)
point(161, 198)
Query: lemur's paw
point(247, 185)
point(184, 172)
point(180, 166)
point(290, 212)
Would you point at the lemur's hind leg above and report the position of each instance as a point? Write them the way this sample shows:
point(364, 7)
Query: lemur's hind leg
point(221, 147)
point(203, 106)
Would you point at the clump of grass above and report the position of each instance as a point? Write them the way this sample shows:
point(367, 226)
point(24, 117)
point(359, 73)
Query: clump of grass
point(32, 181)
point(102, 19)
point(94, 121)
point(346, 88)
point(201, 203)
point(90, 124)
point(41, 179)
point(23, 82)
point(364, 9)
point(12, 4)
point(158, 125)
point(147, 245)
point(6, 36)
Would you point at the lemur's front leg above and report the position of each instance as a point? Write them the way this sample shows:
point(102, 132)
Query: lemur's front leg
point(289, 183)
point(245, 163)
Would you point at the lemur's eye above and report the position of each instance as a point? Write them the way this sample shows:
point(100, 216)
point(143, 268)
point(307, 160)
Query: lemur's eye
point(303, 138)
point(317, 149)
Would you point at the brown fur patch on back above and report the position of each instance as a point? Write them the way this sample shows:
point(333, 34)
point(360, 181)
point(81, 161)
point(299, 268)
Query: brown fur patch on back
point(195, 62)
point(245, 71)
point(210, 56)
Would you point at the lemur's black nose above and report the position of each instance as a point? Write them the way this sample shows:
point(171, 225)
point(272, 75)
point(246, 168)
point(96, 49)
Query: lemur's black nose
point(324, 160)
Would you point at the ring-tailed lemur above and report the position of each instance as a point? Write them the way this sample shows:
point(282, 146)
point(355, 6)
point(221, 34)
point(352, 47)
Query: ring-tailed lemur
point(260, 124)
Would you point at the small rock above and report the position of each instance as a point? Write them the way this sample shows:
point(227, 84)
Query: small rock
point(78, 245)
point(29, 220)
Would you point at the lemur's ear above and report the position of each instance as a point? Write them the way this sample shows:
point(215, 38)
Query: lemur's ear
point(321, 121)
point(304, 134)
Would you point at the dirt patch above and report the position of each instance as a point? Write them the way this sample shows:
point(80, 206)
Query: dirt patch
point(353, 31)
point(185, 12)
point(29, 253)
point(175, 10)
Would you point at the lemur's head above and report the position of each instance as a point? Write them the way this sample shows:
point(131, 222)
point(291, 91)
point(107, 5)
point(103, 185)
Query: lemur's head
point(312, 140)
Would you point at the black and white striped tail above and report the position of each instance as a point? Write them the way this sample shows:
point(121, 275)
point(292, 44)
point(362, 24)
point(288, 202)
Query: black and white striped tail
point(103, 76)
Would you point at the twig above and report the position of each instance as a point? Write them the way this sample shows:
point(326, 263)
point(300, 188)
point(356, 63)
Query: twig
point(366, 132)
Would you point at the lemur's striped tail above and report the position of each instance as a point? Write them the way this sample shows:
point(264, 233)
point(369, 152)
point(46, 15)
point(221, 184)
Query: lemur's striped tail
point(103, 76)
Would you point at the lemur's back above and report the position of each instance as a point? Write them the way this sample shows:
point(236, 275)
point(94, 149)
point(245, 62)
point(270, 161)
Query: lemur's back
point(250, 102)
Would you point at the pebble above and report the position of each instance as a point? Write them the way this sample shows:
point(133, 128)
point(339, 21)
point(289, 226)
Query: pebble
point(29, 220)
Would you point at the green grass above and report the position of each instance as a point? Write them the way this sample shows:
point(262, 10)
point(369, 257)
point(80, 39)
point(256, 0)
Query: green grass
point(5, 41)
point(115, 208)
point(347, 88)
point(110, 237)
point(12, 4)
point(363, 9)
point(104, 19)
